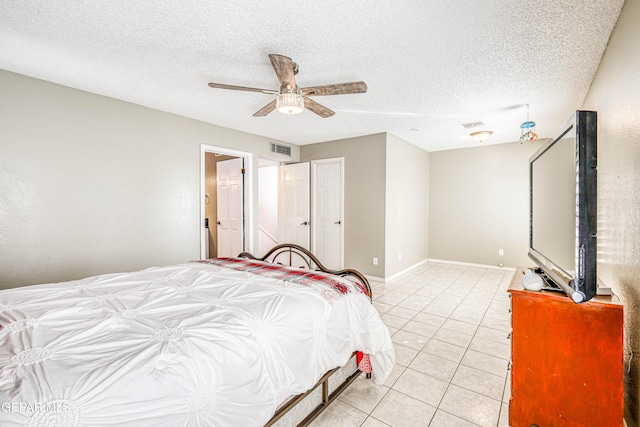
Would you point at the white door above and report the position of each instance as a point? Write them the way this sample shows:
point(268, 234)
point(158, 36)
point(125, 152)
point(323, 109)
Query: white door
point(328, 218)
point(229, 186)
point(293, 204)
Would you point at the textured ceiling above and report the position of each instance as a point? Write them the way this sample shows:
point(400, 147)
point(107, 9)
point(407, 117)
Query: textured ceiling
point(430, 65)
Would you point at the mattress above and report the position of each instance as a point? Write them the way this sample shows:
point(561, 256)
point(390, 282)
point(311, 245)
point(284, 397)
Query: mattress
point(196, 344)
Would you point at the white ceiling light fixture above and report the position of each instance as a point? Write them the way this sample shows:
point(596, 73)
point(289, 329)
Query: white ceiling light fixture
point(481, 135)
point(290, 101)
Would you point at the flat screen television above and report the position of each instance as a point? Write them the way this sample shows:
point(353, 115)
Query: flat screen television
point(563, 208)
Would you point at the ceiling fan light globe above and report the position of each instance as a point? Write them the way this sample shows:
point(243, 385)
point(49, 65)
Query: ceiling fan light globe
point(290, 103)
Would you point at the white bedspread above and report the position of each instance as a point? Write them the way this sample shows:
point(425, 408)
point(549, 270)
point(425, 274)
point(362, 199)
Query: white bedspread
point(193, 344)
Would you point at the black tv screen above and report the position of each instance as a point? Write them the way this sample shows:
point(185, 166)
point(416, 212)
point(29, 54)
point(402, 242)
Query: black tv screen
point(563, 207)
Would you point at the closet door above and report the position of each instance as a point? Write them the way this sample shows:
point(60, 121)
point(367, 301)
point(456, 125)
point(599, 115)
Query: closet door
point(328, 209)
point(293, 204)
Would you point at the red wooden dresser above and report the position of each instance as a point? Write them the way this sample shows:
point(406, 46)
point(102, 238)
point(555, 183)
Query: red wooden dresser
point(566, 360)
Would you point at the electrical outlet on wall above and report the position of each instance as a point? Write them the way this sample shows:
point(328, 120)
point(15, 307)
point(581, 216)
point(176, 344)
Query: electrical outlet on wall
point(375, 260)
point(501, 252)
point(399, 257)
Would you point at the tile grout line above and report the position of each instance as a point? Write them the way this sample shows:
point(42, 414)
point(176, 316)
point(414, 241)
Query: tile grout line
point(411, 290)
point(456, 370)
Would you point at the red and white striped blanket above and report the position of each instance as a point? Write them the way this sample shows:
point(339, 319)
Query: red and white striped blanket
point(328, 285)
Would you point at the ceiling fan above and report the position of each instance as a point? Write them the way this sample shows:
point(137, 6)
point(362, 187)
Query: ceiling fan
point(291, 98)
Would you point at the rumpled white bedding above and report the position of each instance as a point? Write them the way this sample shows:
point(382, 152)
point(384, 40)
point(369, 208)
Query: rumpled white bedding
point(186, 345)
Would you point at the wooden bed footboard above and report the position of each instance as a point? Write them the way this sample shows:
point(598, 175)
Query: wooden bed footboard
point(293, 255)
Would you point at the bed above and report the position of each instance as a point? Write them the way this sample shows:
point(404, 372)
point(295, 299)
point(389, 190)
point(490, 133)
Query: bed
point(219, 342)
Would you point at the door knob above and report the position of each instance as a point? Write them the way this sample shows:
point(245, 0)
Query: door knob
point(218, 222)
point(338, 222)
point(305, 223)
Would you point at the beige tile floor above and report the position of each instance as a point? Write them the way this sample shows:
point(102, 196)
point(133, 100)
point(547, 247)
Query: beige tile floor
point(450, 326)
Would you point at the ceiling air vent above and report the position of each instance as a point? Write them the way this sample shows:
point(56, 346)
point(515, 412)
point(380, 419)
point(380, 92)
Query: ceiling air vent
point(281, 149)
point(472, 125)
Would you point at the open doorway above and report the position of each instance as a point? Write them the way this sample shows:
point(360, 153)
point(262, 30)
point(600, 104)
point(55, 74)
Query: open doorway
point(227, 208)
point(267, 205)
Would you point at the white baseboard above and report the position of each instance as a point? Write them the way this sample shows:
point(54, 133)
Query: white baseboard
point(441, 261)
point(469, 264)
point(406, 270)
point(398, 274)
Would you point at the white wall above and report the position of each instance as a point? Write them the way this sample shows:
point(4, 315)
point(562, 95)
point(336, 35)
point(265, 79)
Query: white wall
point(91, 185)
point(407, 205)
point(615, 95)
point(364, 197)
point(479, 203)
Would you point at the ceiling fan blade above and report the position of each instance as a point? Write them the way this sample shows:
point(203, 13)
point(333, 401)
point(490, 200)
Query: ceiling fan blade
point(266, 109)
point(335, 89)
point(283, 66)
point(248, 89)
point(319, 109)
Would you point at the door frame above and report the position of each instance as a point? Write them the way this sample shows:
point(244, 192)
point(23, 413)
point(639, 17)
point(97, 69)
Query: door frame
point(315, 205)
point(247, 189)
